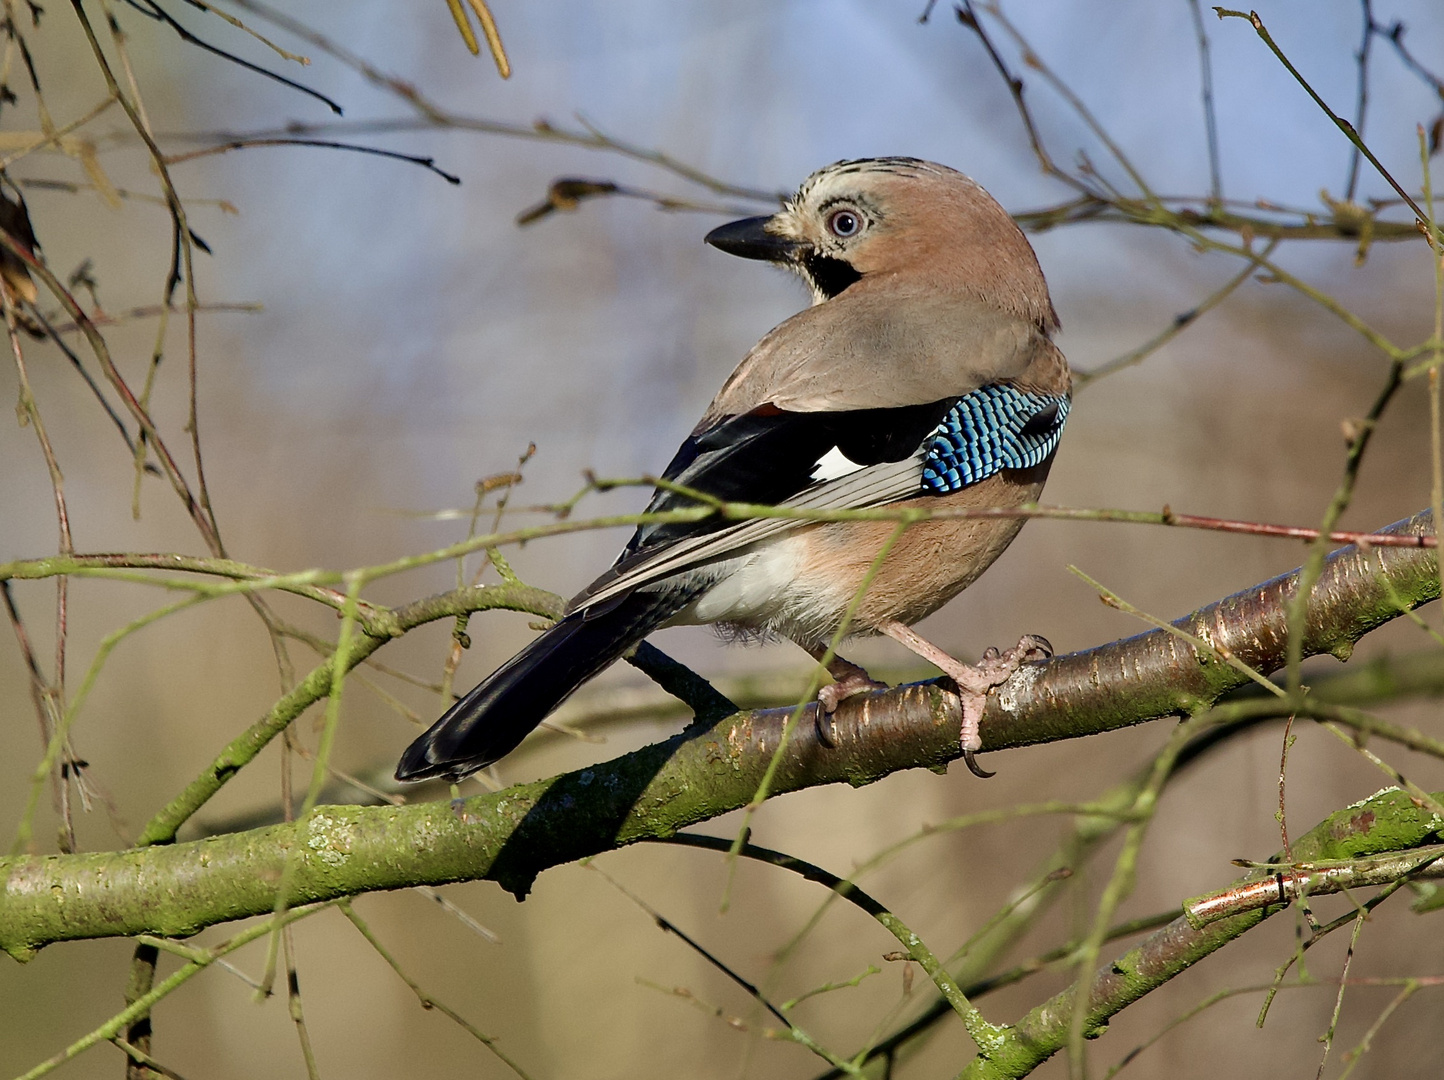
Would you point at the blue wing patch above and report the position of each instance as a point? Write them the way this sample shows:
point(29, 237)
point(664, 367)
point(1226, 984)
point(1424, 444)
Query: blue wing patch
point(993, 428)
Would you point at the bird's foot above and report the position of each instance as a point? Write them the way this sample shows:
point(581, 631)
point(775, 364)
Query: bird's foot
point(856, 681)
point(848, 679)
point(973, 681)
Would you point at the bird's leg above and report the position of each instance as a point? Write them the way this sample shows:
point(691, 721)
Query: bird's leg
point(973, 682)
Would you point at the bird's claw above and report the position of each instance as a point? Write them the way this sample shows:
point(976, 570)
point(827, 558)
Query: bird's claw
point(974, 683)
point(855, 681)
point(971, 761)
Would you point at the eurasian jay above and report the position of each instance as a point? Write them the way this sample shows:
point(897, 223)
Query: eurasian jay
point(923, 375)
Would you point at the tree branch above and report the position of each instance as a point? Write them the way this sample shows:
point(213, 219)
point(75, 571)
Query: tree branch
point(512, 835)
point(1386, 823)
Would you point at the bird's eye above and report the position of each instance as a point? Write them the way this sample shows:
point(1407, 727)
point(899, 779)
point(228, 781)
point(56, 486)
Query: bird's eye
point(844, 223)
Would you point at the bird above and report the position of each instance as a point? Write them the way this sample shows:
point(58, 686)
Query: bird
point(923, 377)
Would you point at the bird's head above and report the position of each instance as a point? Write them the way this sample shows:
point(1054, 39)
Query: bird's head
point(897, 223)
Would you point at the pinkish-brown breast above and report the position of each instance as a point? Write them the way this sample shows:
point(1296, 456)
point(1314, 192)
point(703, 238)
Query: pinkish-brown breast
point(930, 564)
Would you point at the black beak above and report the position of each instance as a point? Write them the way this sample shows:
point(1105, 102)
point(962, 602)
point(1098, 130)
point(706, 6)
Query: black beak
point(749, 239)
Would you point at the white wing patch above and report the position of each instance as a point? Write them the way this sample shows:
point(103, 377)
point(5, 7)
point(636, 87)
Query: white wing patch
point(874, 485)
point(833, 465)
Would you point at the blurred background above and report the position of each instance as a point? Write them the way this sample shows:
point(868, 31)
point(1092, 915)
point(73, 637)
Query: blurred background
point(411, 339)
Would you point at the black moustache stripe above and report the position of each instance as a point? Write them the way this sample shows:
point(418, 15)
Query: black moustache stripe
point(828, 275)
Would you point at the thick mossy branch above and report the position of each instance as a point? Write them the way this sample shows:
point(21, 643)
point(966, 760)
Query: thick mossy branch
point(512, 835)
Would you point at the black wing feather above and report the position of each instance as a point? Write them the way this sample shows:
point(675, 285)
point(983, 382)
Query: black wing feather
point(769, 455)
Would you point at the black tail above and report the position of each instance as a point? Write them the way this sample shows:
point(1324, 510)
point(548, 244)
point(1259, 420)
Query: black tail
point(489, 722)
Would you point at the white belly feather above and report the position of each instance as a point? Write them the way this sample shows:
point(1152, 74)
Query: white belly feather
point(763, 591)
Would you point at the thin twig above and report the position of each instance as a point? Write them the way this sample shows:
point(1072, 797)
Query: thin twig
point(1343, 125)
point(54, 688)
point(1210, 121)
point(1181, 322)
point(327, 144)
point(161, 15)
point(1361, 105)
point(983, 1033)
point(426, 1000)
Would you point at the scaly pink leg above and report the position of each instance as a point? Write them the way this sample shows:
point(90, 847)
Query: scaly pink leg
point(973, 682)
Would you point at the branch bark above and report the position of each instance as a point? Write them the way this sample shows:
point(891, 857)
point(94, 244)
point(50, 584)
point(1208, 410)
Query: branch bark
point(1386, 823)
point(705, 771)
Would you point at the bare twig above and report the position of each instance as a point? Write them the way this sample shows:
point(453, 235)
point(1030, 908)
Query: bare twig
point(328, 144)
point(426, 1000)
point(52, 691)
point(1210, 121)
point(1343, 125)
point(154, 10)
